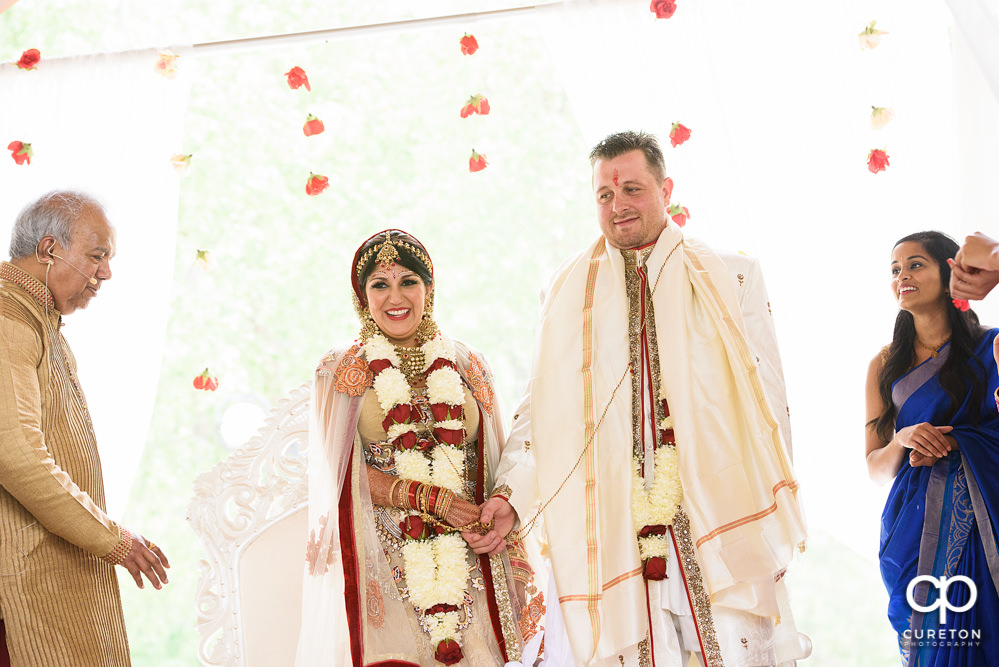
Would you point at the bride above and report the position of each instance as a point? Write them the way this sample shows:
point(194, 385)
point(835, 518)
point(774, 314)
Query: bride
point(404, 434)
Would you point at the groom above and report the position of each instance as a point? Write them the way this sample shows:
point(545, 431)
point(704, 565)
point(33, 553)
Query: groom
point(650, 442)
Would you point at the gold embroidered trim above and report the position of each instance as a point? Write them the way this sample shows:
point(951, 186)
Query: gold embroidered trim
point(479, 378)
point(28, 283)
point(700, 601)
point(505, 608)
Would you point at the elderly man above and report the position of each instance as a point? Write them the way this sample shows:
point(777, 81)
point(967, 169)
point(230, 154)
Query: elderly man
point(59, 593)
point(647, 443)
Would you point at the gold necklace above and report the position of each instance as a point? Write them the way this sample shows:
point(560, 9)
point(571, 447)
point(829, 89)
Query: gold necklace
point(934, 351)
point(411, 362)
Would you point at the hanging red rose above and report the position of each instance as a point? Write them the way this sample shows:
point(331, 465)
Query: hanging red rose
point(469, 45)
point(679, 214)
point(297, 78)
point(654, 569)
point(663, 9)
point(413, 528)
point(206, 381)
point(877, 160)
point(475, 104)
point(448, 652)
point(313, 126)
point(477, 162)
point(678, 134)
point(316, 184)
point(29, 59)
point(961, 304)
point(20, 151)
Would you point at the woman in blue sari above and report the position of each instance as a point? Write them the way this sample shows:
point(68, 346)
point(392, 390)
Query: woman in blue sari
point(933, 428)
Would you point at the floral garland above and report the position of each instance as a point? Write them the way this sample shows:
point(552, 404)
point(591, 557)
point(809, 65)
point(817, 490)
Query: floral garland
point(653, 509)
point(434, 561)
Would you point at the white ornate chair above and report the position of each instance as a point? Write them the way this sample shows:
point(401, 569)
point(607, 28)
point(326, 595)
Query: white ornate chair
point(251, 513)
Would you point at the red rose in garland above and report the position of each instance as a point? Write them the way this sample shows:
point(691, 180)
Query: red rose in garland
point(316, 184)
point(475, 104)
point(961, 304)
point(877, 160)
point(678, 134)
point(477, 162)
point(680, 214)
point(469, 45)
point(654, 569)
point(448, 652)
point(20, 151)
point(206, 381)
point(663, 9)
point(297, 78)
point(313, 126)
point(29, 59)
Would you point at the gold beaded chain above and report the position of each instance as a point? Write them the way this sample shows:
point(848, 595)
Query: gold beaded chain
point(934, 351)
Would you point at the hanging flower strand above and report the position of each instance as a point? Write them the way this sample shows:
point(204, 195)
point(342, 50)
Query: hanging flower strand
point(475, 104)
point(680, 214)
point(469, 45)
point(20, 151)
point(313, 126)
point(881, 116)
point(678, 134)
point(297, 78)
point(29, 59)
point(167, 65)
point(663, 9)
point(316, 184)
point(477, 162)
point(870, 36)
point(877, 160)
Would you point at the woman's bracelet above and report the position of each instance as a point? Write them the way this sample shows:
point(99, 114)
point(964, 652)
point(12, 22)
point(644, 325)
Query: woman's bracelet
point(392, 500)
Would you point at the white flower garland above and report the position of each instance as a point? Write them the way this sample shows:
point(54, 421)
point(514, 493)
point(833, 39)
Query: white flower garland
point(435, 568)
point(657, 505)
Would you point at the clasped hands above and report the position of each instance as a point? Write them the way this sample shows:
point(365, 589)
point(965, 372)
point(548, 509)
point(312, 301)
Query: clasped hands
point(495, 512)
point(927, 443)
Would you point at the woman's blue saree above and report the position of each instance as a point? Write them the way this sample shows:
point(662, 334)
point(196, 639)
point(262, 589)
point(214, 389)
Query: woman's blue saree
point(940, 521)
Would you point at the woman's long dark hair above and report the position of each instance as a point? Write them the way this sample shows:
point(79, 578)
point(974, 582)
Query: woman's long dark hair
point(962, 374)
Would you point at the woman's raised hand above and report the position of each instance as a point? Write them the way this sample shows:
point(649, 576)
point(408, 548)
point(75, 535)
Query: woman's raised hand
point(926, 440)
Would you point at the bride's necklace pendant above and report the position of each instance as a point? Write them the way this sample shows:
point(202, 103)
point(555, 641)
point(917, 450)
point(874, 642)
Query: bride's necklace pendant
point(411, 362)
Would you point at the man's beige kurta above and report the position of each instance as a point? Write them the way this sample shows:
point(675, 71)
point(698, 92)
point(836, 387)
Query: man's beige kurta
point(60, 602)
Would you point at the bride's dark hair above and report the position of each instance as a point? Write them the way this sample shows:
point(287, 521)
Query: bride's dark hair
point(961, 375)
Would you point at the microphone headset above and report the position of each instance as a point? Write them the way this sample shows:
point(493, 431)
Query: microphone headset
point(93, 280)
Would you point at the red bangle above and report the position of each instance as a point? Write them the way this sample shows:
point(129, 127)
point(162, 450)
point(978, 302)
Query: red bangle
point(435, 492)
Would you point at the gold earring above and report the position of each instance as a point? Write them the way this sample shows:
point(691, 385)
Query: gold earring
point(428, 328)
point(368, 327)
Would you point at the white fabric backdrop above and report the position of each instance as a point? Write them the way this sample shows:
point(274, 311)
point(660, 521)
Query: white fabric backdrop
point(778, 97)
point(107, 125)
